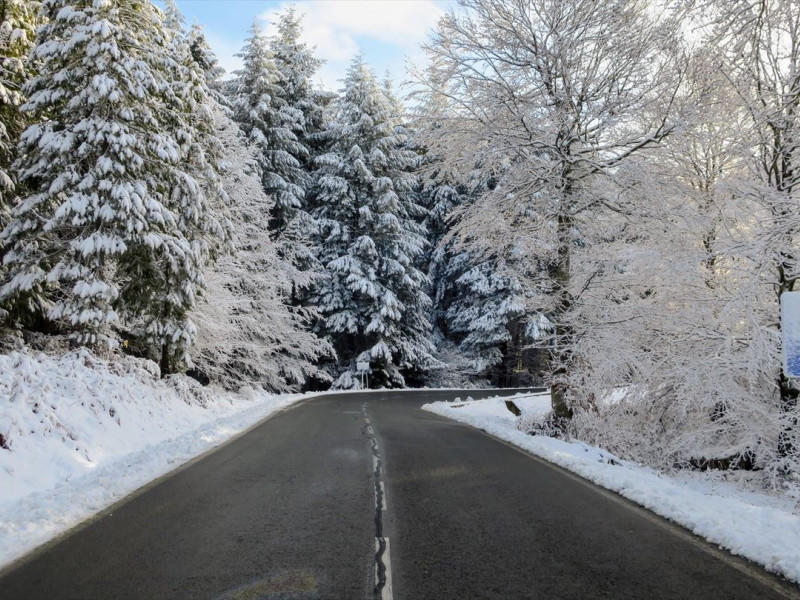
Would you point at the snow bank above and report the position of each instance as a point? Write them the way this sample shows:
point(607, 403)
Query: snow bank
point(78, 433)
point(761, 527)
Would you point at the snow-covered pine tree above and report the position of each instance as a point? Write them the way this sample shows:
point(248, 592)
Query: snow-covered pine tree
point(374, 303)
point(441, 193)
point(200, 55)
point(17, 31)
point(304, 105)
point(303, 112)
point(482, 306)
point(173, 18)
point(194, 194)
point(478, 301)
point(263, 113)
point(116, 222)
point(204, 56)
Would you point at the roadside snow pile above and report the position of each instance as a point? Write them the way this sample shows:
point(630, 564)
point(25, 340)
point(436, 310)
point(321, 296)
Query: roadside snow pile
point(761, 527)
point(78, 433)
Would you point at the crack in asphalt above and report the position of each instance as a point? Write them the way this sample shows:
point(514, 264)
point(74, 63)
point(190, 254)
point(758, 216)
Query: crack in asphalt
point(380, 541)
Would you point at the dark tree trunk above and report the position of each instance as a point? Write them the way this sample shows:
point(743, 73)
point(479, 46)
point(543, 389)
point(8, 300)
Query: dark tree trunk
point(561, 355)
point(164, 363)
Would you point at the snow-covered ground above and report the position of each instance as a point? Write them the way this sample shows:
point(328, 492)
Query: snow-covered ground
point(79, 433)
point(762, 527)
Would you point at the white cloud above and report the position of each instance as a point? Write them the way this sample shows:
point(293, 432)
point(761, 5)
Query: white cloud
point(396, 21)
point(336, 27)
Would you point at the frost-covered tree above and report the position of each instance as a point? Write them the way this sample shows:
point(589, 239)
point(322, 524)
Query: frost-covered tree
point(373, 301)
point(674, 352)
point(248, 333)
point(17, 30)
point(553, 94)
point(759, 45)
point(119, 215)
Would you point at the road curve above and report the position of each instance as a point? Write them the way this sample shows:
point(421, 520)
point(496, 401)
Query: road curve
point(364, 495)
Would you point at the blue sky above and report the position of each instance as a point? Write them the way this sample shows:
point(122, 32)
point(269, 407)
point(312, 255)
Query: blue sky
point(387, 31)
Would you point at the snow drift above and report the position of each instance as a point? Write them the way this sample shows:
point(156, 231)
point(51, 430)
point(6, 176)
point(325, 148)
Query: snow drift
point(79, 433)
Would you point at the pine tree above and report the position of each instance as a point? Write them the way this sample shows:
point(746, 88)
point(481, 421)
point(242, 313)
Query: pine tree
point(119, 217)
point(373, 302)
point(486, 301)
point(17, 30)
point(263, 113)
point(441, 194)
point(304, 106)
point(204, 57)
point(395, 105)
point(476, 297)
point(173, 19)
point(194, 194)
point(479, 301)
point(303, 112)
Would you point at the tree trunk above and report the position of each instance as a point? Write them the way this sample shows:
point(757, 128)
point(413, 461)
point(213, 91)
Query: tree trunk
point(561, 354)
point(786, 437)
point(164, 363)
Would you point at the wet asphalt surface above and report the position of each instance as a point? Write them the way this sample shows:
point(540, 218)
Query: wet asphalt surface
point(292, 510)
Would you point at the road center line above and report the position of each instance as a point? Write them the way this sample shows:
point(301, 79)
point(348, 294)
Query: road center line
point(383, 569)
point(386, 591)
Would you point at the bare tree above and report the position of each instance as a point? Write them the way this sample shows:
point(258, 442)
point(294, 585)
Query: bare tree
point(552, 96)
point(761, 39)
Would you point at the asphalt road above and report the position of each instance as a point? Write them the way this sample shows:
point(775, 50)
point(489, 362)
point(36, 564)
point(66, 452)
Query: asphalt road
point(364, 495)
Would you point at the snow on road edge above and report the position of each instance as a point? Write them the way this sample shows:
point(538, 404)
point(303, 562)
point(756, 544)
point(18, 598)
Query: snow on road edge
point(79, 433)
point(40, 517)
point(764, 534)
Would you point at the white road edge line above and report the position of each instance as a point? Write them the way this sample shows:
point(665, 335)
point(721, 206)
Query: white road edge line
point(383, 495)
